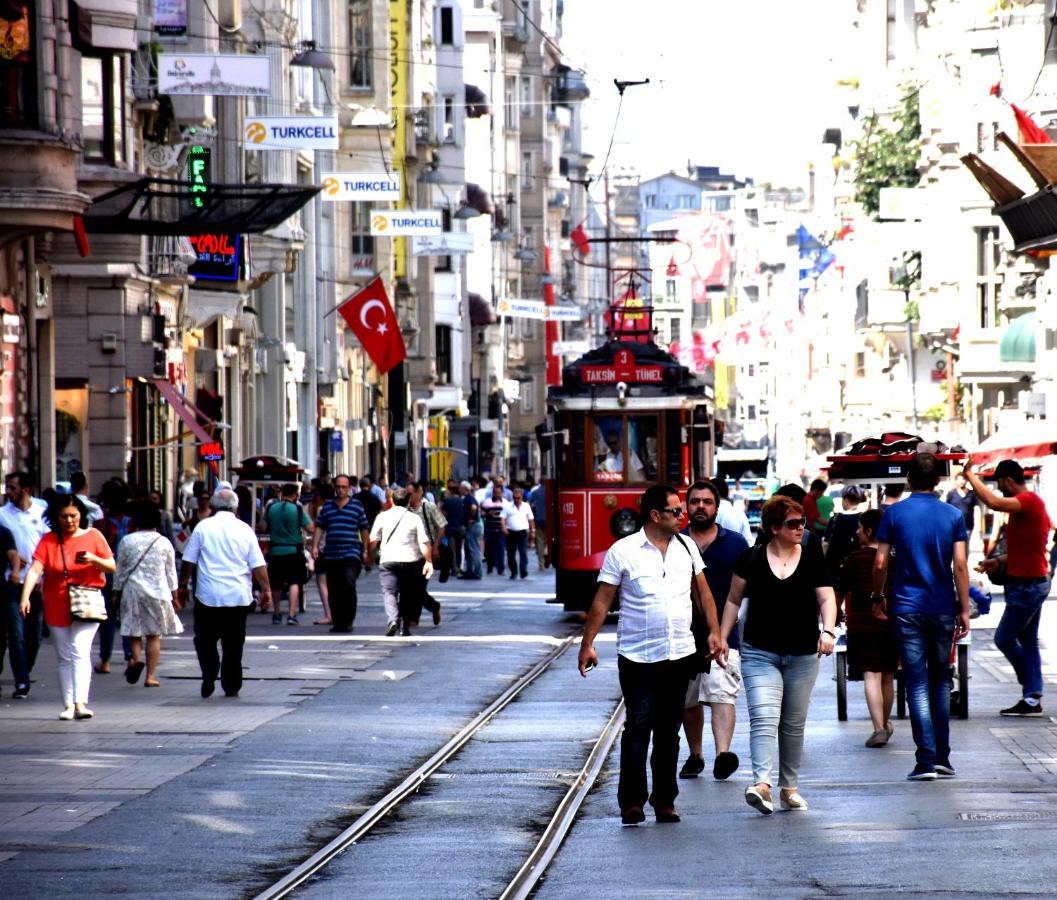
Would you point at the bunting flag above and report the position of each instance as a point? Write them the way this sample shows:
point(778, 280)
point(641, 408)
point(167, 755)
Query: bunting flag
point(673, 269)
point(1030, 133)
point(708, 237)
point(579, 237)
point(815, 258)
point(371, 318)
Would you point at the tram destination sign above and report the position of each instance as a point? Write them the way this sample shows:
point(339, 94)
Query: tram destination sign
point(624, 368)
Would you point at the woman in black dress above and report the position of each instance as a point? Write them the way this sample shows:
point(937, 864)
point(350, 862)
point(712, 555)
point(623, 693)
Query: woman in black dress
point(872, 646)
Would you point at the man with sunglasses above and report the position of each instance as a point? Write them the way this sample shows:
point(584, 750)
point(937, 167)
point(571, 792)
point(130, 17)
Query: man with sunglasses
point(655, 647)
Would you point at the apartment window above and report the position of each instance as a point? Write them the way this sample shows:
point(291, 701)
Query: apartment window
point(528, 170)
point(526, 96)
point(478, 4)
point(675, 330)
point(443, 263)
point(752, 412)
point(447, 132)
point(362, 241)
point(988, 255)
point(686, 201)
point(528, 330)
point(528, 394)
point(102, 108)
point(860, 365)
point(651, 201)
point(447, 26)
point(751, 370)
point(442, 343)
point(510, 102)
point(669, 289)
point(524, 15)
point(18, 92)
point(359, 44)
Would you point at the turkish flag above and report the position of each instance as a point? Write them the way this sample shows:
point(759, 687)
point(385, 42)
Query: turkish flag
point(371, 318)
point(1030, 133)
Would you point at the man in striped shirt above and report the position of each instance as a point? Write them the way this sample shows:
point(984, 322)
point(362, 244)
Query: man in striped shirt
point(344, 523)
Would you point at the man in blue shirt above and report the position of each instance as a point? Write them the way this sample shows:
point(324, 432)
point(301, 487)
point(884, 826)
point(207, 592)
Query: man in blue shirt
point(719, 548)
point(344, 523)
point(537, 499)
point(930, 605)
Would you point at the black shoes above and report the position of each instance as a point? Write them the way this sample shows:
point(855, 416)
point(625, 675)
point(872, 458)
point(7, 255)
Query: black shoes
point(21, 692)
point(693, 766)
point(207, 688)
point(633, 815)
point(341, 630)
point(1023, 709)
point(405, 629)
point(945, 770)
point(133, 672)
point(726, 764)
point(436, 614)
point(922, 773)
point(392, 628)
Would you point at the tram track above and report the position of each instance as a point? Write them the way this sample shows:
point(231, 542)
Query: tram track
point(561, 821)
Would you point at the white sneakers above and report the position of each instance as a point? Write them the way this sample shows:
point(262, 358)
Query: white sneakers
point(67, 713)
point(794, 803)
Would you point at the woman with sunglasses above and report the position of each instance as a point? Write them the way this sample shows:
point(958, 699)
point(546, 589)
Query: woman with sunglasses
point(790, 589)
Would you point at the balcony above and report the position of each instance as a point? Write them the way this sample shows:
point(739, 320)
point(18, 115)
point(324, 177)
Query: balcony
point(38, 183)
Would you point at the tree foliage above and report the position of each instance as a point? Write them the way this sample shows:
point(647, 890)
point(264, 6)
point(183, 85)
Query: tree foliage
point(887, 155)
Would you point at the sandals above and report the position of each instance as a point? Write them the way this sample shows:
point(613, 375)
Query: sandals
point(149, 683)
point(133, 671)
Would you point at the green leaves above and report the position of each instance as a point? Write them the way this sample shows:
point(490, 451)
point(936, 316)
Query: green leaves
point(887, 155)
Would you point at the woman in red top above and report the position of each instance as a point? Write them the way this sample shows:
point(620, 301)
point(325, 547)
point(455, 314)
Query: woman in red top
point(87, 560)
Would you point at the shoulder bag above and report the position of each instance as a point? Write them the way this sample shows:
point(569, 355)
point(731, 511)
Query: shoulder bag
point(698, 625)
point(86, 603)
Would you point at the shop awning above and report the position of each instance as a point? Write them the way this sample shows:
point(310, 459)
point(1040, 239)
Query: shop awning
point(180, 406)
point(1018, 341)
point(479, 199)
point(1028, 443)
point(482, 313)
point(476, 102)
point(162, 206)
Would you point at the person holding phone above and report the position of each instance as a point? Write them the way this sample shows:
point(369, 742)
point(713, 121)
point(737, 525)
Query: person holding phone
point(655, 647)
point(780, 649)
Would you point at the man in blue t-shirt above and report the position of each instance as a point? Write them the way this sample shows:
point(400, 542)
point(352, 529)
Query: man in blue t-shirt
point(454, 508)
point(719, 548)
point(930, 602)
point(344, 524)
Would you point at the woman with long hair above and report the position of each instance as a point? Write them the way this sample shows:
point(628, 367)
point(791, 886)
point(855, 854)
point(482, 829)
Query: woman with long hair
point(71, 554)
point(790, 590)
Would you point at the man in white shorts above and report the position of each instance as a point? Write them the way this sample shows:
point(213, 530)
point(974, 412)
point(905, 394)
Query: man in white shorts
point(720, 548)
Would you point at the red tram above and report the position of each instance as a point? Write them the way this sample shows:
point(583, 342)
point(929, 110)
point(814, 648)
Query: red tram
point(626, 416)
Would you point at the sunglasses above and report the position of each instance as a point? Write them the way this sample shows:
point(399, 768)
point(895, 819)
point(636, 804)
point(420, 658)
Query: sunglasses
point(673, 510)
point(795, 523)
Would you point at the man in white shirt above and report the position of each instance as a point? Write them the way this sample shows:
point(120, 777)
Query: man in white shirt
point(657, 573)
point(224, 552)
point(25, 520)
point(519, 527)
point(404, 564)
point(729, 516)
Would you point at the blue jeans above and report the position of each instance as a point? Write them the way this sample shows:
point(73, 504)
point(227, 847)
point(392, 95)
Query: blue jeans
point(13, 633)
point(494, 550)
point(1017, 635)
point(925, 649)
point(778, 691)
point(517, 552)
point(473, 550)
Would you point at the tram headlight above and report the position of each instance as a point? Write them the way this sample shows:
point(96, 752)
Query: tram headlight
point(624, 522)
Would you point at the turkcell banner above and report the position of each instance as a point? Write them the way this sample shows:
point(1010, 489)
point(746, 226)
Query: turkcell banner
point(214, 74)
point(520, 309)
point(291, 133)
point(570, 348)
point(406, 222)
point(564, 313)
point(339, 186)
point(451, 243)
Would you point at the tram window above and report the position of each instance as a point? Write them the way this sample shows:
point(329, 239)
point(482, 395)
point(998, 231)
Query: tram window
point(573, 454)
point(673, 443)
point(625, 449)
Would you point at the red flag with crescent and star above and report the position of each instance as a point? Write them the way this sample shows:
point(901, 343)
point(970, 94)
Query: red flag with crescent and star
point(371, 318)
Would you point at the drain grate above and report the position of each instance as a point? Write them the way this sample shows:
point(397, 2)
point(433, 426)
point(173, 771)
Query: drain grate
point(1013, 816)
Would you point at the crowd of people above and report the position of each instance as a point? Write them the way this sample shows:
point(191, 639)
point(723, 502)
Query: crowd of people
point(897, 575)
point(121, 565)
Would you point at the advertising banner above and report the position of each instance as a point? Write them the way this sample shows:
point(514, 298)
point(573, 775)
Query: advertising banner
point(170, 19)
point(571, 348)
point(450, 243)
point(340, 186)
point(521, 309)
point(406, 222)
point(564, 313)
point(291, 133)
point(214, 74)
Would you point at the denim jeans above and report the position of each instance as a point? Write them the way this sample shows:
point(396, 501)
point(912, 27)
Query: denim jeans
point(654, 694)
point(517, 552)
point(1017, 635)
point(472, 549)
point(925, 649)
point(777, 691)
point(13, 632)
point(494, 550)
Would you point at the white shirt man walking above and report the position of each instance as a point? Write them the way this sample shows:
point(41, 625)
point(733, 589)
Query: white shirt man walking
point(225, 553)
point(655, 647)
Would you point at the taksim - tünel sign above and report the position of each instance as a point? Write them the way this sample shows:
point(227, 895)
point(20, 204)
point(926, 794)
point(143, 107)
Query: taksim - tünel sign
point(406, 222)
point(339, 186)
point(291, 133)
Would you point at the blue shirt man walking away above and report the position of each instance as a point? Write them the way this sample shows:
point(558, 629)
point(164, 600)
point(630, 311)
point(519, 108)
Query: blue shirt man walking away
point(930, 602)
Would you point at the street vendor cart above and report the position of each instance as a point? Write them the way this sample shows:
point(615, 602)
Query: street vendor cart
point(878, 470)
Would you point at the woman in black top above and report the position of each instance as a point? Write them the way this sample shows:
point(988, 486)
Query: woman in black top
point(790, 587)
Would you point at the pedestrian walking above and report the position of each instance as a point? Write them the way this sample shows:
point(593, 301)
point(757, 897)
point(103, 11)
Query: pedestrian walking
point(225, 558)
point(435, 525)
point(286, 523)
point(492, 511)
point(872, 645)
point(474, 533)
point(114, 525)
point(1027, 577)
point(79, 488)
point(519, 530)
point(368, 500)
point(655, 647)
point(404, 563)
point(344, 524)
point(929, 600)
point(454, 509)
point(720, 549)
point(790, 590)
point(818, 507)
point(165, 528)
point(538, 501)
point(324, 493)
point(70, 555)
point(731, 517)
point(145, 583)
point(842, 533)
point(26, 523)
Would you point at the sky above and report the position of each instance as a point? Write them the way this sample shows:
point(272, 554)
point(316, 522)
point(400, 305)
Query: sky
point(743, 84)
